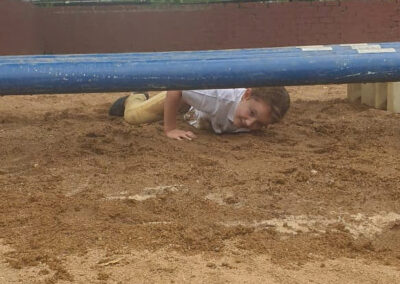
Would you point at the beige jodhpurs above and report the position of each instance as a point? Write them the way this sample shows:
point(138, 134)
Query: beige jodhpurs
point(138, 110)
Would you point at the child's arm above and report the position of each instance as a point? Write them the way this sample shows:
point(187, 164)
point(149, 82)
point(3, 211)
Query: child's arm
point(172, 103)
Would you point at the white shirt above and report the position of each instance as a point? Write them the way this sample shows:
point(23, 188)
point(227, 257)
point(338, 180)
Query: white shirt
point(213, 108)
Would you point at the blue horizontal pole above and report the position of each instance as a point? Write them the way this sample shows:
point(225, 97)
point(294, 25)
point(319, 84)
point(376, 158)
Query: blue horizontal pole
point(203, 54)
point(328, 64)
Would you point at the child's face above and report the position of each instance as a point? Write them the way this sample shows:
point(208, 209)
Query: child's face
point(252, 113)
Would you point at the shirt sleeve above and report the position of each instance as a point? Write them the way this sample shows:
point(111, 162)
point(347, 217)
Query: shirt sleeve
point(202, 100)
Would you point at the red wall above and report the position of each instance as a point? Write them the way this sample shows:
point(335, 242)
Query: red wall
point(90, 29)
point(18, 28)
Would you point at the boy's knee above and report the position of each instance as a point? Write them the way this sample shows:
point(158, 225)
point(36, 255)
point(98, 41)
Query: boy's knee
point(139, 109)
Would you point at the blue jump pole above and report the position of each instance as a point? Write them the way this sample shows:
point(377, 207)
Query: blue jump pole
point(305, 65)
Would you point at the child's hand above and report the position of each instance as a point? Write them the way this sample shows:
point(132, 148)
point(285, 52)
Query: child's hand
point(180, 134)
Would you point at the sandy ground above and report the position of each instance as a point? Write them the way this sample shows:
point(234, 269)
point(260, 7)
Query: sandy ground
point(86, 198)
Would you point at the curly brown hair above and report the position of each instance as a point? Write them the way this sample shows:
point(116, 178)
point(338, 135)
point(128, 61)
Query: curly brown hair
point(276, 97)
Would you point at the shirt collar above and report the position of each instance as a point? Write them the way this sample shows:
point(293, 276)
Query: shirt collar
point(232, 111)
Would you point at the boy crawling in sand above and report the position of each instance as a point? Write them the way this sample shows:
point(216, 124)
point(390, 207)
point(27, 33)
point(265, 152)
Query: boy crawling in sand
point(222, 110)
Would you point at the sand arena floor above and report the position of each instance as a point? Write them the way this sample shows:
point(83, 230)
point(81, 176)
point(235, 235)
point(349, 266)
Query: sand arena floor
point(86, 198)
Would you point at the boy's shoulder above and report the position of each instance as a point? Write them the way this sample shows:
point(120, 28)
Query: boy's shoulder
point(223, 94)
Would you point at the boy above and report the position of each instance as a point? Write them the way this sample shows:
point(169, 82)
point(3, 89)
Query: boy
point(223, 110)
